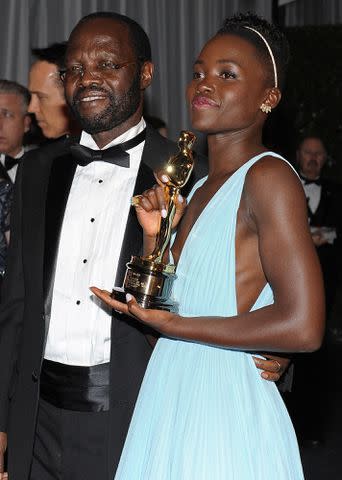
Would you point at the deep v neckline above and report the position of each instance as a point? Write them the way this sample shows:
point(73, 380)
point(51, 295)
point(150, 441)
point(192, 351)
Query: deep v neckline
point(199, 184)
point(194, 226)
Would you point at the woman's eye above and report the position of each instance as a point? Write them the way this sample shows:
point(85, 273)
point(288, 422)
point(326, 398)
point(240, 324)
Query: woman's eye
point(227, 74)
point(197, 75)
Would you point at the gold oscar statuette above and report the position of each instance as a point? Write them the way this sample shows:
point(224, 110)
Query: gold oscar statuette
point(148, 278)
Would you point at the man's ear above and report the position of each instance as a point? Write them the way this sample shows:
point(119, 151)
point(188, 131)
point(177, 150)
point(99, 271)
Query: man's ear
point(27, 123)
point(146, 75)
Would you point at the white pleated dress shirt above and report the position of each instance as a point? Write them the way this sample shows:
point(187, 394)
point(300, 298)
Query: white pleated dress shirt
point(90, 244)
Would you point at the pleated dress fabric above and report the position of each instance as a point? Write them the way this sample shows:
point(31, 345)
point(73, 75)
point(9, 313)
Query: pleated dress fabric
point(204, 412)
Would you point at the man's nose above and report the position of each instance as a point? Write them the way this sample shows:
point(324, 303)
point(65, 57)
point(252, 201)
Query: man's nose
point(90, 76)
point(33, 106)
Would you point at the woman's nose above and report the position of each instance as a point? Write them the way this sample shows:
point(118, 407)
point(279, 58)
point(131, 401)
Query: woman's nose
point(204, 87)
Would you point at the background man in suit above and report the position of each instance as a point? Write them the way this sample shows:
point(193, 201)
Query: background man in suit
point(47, 94)
point(324, 215)
point(14, 123)
point(324, 211)
point(72, 370)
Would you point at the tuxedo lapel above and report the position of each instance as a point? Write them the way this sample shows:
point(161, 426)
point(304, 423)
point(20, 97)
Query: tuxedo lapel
point(321, 214)
point(61, 176)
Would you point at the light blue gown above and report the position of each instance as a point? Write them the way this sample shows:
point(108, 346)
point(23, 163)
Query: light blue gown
point(203, 412)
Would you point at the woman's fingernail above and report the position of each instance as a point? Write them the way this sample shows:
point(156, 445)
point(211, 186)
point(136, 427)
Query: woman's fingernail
point(165, 178)
point(180, 199)
point(135, 200)
point(129, 297)
point(163, 213)
point(265, 375)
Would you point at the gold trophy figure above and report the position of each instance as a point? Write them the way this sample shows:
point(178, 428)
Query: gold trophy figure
point(148, 278)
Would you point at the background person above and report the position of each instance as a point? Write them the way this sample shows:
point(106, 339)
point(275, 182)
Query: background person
point(48, 103)
point(311, 389)
point(14, 123)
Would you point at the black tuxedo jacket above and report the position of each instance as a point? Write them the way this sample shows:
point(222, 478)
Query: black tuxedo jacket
point(41, 192)
point(329, 214)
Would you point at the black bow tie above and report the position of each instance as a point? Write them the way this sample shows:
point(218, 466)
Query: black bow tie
point(116, 154)
point(10, 162)
point(307, 181)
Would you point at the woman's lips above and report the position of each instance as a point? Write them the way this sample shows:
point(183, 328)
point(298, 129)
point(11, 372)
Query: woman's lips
point(204, 102)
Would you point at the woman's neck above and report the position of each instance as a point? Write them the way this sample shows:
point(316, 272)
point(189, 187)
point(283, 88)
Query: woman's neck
point(228, 151)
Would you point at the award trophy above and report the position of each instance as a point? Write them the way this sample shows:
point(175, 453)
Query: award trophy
point(148, 279)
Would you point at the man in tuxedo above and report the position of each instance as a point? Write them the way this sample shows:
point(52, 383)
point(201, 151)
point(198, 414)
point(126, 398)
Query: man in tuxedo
point(71, 370)
point(324, 215)
point(48, 102)
point(14, 123)
point(324, 212)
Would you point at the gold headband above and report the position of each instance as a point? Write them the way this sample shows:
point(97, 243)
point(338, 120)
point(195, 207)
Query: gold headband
point(270, 52)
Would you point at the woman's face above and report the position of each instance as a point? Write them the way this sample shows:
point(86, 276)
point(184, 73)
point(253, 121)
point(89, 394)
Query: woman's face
point(228, 86)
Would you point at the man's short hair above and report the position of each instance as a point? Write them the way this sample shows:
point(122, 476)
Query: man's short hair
point(310, 137)
point(54, 53)
point(140, 41)
point(10, 86)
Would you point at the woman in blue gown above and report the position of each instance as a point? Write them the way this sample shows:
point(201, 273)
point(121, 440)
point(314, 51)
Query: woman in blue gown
point(248, 280)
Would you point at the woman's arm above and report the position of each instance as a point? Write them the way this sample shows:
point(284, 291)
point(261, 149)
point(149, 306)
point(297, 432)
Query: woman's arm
point(295, 321)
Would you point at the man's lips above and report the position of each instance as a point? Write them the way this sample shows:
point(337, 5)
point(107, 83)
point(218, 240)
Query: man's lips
point(204, 102)
point(90, 97)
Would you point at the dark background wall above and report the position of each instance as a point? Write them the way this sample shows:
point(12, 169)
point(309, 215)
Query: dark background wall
point(312, 99)
point(178, 29)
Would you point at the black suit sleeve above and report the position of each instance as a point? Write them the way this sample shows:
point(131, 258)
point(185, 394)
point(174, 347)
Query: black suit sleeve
point(12, 306)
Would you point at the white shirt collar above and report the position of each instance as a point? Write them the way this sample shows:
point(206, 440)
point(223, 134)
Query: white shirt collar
point(21, 153)
point(18, 155)
point(88, 141)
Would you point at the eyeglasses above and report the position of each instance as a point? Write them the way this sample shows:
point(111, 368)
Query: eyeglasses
point(107, 68)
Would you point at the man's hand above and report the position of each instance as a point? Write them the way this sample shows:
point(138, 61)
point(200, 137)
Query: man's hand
point(273, 367)
point(3, 447)
point(318, 238)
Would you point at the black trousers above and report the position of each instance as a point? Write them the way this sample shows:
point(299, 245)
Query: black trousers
point(70, 445)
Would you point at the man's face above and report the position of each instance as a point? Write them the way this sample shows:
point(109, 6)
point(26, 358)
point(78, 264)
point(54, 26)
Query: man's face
point(311, 157)
point(103, 84)
point(14, 122)
point(47, 99)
